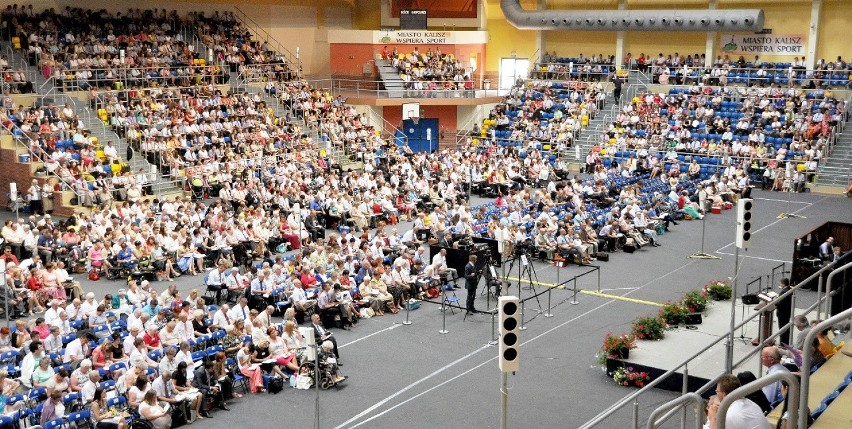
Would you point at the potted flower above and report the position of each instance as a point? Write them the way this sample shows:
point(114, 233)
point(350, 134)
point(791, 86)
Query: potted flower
point(649, 328)
point(718, 290)
point(627, 376)
point(618, 346)
point(674, 313)
point(696, 301)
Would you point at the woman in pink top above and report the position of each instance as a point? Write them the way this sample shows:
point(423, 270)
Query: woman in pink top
point(51, 283)
point(97, 257)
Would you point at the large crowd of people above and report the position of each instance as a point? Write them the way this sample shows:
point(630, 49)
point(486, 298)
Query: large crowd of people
point(262, 187)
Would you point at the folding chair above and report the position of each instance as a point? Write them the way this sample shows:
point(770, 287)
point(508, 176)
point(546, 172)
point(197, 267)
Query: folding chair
point(449, 300)
point(239, 379)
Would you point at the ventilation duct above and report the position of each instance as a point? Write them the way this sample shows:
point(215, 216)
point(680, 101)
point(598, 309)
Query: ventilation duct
point(640, 20)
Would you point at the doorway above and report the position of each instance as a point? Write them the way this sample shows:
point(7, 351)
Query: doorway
point(512, 69)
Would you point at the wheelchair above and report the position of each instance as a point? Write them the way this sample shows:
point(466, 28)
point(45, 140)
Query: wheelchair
point(326, 372)
point(116, 270)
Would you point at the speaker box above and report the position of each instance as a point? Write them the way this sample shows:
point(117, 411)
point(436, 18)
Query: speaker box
point(750, 299)
point(693, 319)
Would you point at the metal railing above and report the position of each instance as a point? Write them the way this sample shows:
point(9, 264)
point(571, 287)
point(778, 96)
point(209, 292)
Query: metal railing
point(24, 141)
point(691, 398)
point(136, 76)
point(807, 358)
point(371, 89)
point(278, 48)
point(741, 392)
point(634, 397)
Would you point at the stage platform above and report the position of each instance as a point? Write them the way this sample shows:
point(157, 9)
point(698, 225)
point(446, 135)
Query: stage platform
point(679, 343)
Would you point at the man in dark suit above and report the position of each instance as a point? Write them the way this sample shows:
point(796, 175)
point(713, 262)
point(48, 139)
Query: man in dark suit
point(321, 334)
point(206, 383)
point(783, 309)
point(446, 241)
point(312, 225)
point(471, 279)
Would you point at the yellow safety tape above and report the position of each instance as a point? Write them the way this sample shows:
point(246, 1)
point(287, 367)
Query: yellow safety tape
point(622, 298)
point(535, 282)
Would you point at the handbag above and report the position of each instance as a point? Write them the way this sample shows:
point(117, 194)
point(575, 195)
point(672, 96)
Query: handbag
point(94, 276)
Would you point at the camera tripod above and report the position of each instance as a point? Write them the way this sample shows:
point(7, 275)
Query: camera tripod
point(493, 285)
point(525, 268)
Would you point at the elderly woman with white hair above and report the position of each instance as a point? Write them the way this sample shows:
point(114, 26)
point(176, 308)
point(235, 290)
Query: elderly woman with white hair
point(326, 357)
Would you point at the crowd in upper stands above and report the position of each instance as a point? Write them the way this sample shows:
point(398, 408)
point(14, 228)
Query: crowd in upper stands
point(540, 112)
point(691, 69)
point(430, 71)
point(772, 132)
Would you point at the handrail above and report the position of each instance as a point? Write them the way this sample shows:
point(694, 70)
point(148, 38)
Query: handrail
point(34, 157)
point(807, 358)
point(257, 29)
point(827, 285)
point(793, 396)
point(124, 75)
point(371, 88)
point(679, 402)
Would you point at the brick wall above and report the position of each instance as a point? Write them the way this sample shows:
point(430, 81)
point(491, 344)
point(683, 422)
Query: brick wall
point(13, 171)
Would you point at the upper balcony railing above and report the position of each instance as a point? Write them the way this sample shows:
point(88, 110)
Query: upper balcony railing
point(374, 89)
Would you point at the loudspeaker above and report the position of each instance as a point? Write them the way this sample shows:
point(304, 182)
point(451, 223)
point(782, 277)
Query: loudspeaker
point(750, 299)
point(693, 319)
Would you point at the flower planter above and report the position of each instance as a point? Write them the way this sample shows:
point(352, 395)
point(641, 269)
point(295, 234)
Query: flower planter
point(621, 354)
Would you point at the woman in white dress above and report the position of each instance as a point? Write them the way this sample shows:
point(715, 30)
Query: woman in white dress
point(151, 410)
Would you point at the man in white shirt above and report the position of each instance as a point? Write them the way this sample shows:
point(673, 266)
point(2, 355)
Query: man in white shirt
point(235, 283)
point(52, 313)
point(87, 393)
point(63, 323)
point(300, 299)
point(240, 311)
point(216, 281)
point(184, 327)
point(266, 316)
point(110, 152)
point(77, 350)
point(742, 414)
point(440, 261)
point(127, 344)
point(770, 357)
point(222, 319)
point(169, 335)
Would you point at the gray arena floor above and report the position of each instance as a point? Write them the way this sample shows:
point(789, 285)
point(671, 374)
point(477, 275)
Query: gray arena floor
point(413, 376)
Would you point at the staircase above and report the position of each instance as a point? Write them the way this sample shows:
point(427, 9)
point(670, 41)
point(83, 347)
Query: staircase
point(591, 134)
point(389, 76)
point(835, 170)
point(46, 93)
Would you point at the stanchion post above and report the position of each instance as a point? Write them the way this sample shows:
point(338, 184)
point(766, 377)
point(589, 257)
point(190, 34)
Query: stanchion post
point(574, 296)
point(504, 403)
point(493, 340)
point(407, 310)
point(444, 312)
point(684, 390)
point(635, 414)
point(548, 314)
point(599, 279)
point(523, 325)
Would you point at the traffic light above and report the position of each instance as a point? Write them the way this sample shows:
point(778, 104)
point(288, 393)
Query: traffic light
point(744, 222)
point(510, 324)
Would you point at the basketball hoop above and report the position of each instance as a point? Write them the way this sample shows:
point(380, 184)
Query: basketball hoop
point(415, 119)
